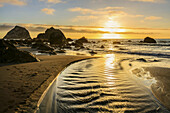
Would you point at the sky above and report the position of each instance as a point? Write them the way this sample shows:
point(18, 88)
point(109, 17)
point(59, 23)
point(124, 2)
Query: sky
point(94, 19)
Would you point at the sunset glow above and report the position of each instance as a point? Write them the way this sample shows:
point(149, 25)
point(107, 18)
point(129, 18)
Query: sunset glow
point(94, 19)
point(112, 27)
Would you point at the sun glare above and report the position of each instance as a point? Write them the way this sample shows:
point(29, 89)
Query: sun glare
point(113, 28)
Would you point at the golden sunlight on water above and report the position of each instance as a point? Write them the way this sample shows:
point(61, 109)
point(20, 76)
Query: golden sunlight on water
point(112, 27)
point(109, 65)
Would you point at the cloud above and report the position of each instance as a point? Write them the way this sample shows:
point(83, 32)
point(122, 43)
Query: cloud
point(79, 18)
point(77, 29)
point(53, 1)
point(111, 8)
point(1, 5)
point(48, 11)
point(101, 11)
point(153, 18)
point(13, 2)
point(152, 1)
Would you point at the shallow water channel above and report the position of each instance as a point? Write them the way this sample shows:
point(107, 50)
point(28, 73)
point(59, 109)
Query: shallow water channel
point(98, 85)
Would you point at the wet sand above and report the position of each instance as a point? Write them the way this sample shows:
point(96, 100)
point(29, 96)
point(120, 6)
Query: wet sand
point(161, 88)
point(21, 85)
point(153, 75)
point(90, 86)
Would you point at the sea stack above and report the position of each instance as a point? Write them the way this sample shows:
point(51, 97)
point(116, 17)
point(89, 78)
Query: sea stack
point(18, 33)
point(54, 36)
point(149, 40)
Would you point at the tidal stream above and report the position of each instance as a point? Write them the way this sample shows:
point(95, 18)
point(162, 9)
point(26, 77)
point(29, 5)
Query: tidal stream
point(98, 85)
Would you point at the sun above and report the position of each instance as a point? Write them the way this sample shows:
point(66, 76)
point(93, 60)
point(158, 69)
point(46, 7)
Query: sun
point(113, 29)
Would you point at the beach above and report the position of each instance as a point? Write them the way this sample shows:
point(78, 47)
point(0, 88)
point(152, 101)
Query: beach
point(22, 85)
point(123, 77)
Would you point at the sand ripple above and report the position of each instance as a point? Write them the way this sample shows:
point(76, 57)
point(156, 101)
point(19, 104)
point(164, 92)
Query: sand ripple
point(100, 87)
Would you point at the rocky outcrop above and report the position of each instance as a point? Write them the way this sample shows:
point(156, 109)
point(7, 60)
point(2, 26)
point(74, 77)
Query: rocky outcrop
point(82, 40)
point(54, 36)
point(69, 40)
point(57, 38)
point(10, 54)
point(149, 40)
point(18, 33)
point(41, 36)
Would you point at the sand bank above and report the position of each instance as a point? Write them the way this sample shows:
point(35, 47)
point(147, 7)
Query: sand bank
point(153, 76)
point(21, 85)
point(161, 89)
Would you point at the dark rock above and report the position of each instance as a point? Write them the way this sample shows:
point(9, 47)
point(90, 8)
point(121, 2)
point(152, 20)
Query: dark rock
point(116, 43)
point(41, 36)
point(149, 40)
point(18, 33)
point(92, 52)
point(116, 46)
point(122, 49)
point(141, 59)
point(34, 74)
point(55, 36)
point(69, 40)
point(10, 54)
point(82, 40)
point(78, 44)
point(102, 46)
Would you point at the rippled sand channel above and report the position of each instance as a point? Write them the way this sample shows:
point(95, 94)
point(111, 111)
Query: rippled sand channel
point(98, 85)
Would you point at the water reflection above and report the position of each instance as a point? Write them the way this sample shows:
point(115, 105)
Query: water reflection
point(111, 36)
point(109, 63)
point(109, 66)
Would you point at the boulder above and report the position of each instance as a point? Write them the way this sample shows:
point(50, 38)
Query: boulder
point(82, 40)
point(116, 42)
point(149, 40)
point(18, 33)
point(10, 54)
point(55, 36)
point(78, 44)
point(41, 36)
point(102, 46)
point(69, 40)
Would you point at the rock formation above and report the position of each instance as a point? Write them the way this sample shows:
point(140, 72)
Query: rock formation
point(18, 33)
point(82, 40)
point(149, 40)
point(69, 40)
point(54, 36)
point(41, 36)
point(10, 54)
